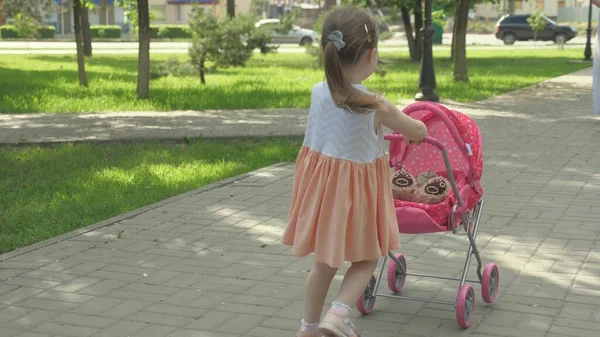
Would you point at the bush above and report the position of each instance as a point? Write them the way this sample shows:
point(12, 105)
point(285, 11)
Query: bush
point(47, 32)
point(9, 32)
point(12, 32)
point(174, 32)
point(172, 67)
point(154, 32)
point(105, 32)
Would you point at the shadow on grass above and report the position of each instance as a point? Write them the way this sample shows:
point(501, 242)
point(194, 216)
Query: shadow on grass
point(273, 81)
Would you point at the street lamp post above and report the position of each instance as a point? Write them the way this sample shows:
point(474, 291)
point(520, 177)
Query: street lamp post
point(588, 43)
point(427, 77)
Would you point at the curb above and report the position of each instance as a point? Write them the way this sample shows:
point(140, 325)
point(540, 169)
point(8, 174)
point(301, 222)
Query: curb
point(131, 214)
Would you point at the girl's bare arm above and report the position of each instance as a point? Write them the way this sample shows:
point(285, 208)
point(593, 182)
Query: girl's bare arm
point(390, 116)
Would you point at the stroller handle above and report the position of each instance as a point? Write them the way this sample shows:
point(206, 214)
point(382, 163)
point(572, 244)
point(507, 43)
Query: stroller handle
point(429, 140)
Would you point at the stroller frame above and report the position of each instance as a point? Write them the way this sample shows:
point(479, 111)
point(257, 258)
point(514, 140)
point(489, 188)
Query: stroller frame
point(465, 302)
point(472, 250)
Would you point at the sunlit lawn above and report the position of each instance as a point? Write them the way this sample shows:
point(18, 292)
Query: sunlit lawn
point(38, 83)
point(48, 191)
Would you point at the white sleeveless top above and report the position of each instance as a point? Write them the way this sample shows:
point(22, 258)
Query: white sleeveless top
point(337, 133)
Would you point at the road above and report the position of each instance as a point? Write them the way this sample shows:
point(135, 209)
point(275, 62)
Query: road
point(397, 43)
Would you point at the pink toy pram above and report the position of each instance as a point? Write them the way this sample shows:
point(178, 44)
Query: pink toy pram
point(453, 149)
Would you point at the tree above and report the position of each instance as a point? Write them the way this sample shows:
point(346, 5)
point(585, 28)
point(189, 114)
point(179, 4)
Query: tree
point(414, 36)
point(418, 11)
point(231, 8)
point(29, 8)
point(85, 31)
point(230, 42)
point(412, 44)
point(143, 84)
point(537, 23)
point(459, 48)
point(130, 10)
point(77, 7)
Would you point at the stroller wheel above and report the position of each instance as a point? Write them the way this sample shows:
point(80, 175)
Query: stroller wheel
point(366, 302)
point(490, 283)
point(465, 306)
point(397, 274)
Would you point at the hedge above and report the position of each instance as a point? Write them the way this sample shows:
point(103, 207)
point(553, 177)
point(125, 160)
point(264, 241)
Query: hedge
point(105, 32)
point(47, 32)
point(9, 32)
point(170, 32)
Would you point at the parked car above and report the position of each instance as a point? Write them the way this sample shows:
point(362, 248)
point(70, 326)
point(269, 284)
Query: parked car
point(512, 28)
point(297, 34)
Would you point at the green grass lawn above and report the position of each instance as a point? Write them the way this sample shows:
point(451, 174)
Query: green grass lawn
point(42, 83)
point(48, 191)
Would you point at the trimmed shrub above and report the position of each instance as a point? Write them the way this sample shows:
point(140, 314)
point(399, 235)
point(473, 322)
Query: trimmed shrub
point(154, 32)
point(106, 32)
point(47, 32)
point(172, 32)
point(9, 32)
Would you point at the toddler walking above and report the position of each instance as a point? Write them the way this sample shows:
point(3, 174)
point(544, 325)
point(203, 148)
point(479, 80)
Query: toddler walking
point(342, 208)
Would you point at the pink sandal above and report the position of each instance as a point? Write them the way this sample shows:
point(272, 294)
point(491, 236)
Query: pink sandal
point(333, 325)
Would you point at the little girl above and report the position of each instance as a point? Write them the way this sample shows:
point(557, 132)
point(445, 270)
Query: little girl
point(342, 207)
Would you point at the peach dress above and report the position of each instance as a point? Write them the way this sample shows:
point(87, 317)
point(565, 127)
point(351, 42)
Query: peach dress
point(342, 207)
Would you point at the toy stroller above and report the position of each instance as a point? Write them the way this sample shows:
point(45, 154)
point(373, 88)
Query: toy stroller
point(452, 150)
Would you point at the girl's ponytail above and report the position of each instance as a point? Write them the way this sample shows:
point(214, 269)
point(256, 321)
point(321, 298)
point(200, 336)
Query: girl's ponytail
point(348, 34)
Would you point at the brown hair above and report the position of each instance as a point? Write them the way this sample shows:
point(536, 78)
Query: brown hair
point(360, 34)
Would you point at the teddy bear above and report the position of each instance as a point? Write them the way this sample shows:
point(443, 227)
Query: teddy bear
point(427, 188)
point(403, 185)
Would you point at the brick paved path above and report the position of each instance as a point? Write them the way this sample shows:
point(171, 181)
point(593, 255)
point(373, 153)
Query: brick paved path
point(209, 263)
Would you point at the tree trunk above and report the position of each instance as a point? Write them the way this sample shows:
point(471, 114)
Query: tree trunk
point(85, 30)
point(410, 38)
point(511, 6)
point(143, 85)
point(330, 3)
point(460, 49)
point(79, 42)
point(454, 34)
point(202, 73)
point(418, 29)
point(231, 8)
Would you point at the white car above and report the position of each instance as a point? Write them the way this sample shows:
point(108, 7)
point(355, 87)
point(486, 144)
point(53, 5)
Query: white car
point(297, 35)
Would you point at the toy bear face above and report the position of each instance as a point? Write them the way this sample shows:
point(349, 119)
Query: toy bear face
point(436, 186)
point(402, 178)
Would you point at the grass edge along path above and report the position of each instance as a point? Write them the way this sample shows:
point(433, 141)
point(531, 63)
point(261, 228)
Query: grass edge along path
point(49, 191)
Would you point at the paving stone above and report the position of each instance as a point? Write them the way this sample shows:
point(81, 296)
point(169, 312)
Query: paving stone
point(161, 318)
point(154, 330)
point(64, 330)
point(84, 320)
point(125, 309)
point(64, 297)
point(103, 287)
point(97, 305)
point(5, 332)
point(18, 295)
point(77, 284)
point(121, 329)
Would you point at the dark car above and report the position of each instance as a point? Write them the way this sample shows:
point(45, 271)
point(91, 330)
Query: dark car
point(511, 28)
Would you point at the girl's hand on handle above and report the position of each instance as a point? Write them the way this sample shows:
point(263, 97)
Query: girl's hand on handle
point(392, 117)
